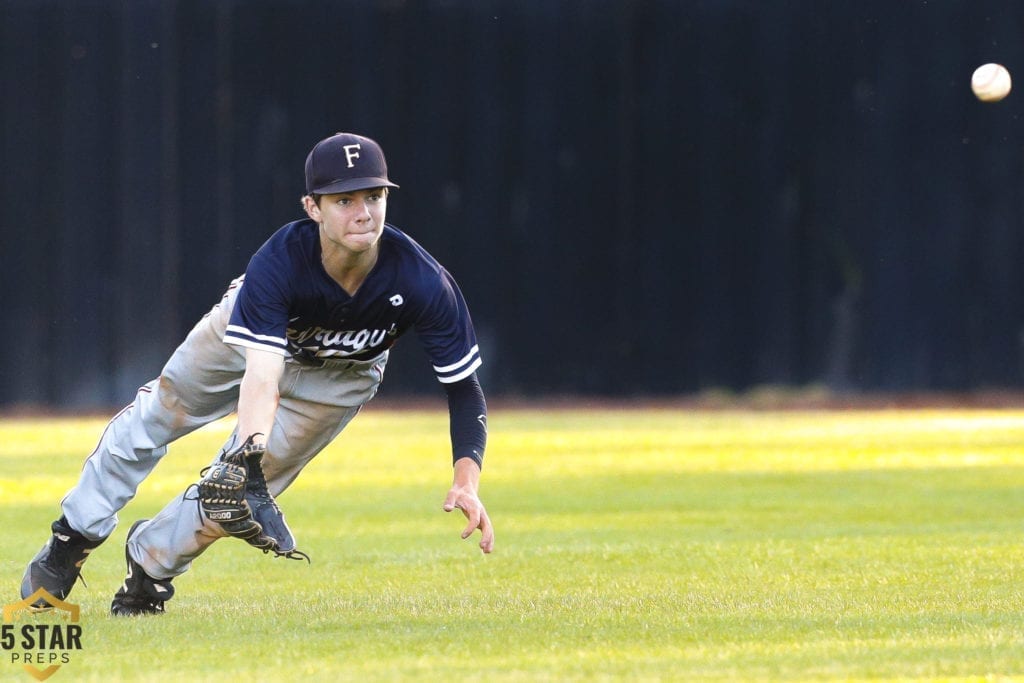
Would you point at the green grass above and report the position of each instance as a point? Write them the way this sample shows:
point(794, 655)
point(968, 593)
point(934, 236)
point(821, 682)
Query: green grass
point(656, 545)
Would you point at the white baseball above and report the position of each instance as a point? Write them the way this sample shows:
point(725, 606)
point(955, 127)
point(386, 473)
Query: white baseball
point(991, 82)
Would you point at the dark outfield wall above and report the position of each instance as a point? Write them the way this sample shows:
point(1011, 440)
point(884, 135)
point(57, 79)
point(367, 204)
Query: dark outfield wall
point(637, 197)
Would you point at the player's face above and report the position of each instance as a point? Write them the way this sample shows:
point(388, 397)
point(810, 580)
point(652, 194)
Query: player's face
point(352, 220)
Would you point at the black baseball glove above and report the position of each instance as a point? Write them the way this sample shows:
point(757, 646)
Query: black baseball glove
point(233, 493)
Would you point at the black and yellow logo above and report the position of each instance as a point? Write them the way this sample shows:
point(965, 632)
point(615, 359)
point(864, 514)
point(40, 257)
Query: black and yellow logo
point(29, 641)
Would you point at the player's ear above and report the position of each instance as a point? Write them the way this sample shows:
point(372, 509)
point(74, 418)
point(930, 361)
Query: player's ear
point(312, 210)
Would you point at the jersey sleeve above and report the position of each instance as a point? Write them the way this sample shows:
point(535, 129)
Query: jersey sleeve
point(446, 332)
point(259, 319)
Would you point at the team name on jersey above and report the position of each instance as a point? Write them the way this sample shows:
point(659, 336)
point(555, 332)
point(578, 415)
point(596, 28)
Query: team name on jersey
point(340, 342)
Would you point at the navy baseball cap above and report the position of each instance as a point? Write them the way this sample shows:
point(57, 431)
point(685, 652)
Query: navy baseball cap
point(346, 162)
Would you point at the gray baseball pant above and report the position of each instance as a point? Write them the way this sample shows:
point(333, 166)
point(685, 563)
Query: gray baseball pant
point(199, 384)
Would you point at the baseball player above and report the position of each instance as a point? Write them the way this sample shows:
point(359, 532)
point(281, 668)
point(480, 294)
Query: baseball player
point(297, 345)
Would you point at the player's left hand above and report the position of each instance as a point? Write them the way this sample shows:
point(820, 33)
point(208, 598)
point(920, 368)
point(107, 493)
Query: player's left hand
point(463, 496)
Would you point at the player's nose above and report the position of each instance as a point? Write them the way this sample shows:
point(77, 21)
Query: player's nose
point(363, 210)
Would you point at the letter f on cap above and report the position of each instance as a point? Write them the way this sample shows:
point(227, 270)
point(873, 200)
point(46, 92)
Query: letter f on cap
point(351, 153)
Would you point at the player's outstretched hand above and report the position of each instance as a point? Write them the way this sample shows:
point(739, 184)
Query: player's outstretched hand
point(463, 495)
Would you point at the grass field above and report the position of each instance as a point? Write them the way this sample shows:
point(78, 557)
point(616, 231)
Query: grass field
point(655, 545)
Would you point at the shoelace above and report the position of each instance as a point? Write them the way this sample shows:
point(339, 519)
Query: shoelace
point(60, 556)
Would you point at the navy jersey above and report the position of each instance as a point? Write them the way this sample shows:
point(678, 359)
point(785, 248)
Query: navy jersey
point(288, 304)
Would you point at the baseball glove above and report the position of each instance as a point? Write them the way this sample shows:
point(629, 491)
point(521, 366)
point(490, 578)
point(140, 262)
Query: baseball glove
point(233, 493)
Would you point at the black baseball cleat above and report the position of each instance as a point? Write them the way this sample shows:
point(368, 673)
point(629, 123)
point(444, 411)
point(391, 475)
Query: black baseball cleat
point(140, 593)
point(59, 564)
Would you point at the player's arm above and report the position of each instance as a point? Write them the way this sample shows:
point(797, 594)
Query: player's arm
point(258, 395)
point(467, 411)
